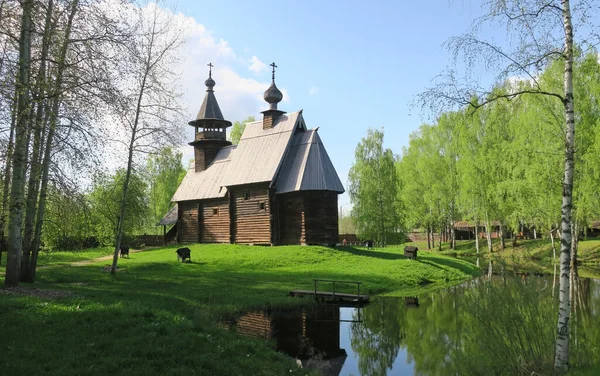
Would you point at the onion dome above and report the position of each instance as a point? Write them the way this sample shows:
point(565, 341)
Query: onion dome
point(273, 95)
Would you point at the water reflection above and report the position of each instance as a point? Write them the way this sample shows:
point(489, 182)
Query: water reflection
point(310, 335)
point(439, 333)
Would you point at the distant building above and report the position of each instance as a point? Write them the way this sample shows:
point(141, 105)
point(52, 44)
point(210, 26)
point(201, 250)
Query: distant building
point(277, 186)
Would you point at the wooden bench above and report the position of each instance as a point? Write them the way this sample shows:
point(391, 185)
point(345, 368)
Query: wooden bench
point(183, 254)
point(410, 252)
point(125, 251)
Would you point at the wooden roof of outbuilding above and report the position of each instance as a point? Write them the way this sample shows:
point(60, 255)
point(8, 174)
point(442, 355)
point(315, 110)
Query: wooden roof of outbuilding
point(170, 218)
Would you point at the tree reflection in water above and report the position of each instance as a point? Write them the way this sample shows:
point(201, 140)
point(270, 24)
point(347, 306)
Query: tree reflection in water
point(499, 325)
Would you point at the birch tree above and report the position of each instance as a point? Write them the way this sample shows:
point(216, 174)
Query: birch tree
point(374, 189)
point(149, 111)
point(539, 33)
point(23, 110)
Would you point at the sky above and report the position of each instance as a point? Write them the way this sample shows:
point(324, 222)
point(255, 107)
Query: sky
point(349, 65)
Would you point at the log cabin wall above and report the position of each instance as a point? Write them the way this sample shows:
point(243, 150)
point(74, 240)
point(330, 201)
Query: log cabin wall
point(274, 217)
point(215, 225)
point(188, 221)
point(321, 217)
point(251, 213)
point(291, 218)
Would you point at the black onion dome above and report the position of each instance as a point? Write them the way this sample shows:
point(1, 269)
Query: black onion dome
point(210, 83)
point(273, 94)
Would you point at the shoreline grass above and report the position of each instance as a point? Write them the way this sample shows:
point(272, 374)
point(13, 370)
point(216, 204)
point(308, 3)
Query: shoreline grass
point(161, 316)
point(533, 255)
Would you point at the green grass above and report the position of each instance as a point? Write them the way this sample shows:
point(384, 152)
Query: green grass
point(534, 255)
point(47, 258)
point(159, 316)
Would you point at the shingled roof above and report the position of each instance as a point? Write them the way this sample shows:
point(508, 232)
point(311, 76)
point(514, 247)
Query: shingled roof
point(205, 184)
point(286, 155)
point(307, 166)
point(260, 151)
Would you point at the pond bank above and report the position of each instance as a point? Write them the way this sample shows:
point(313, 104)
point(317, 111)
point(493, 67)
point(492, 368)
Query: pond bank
point(529, 256)
point(159, 315)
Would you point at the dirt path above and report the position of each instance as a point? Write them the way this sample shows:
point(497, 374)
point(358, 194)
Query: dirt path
point(97, 259)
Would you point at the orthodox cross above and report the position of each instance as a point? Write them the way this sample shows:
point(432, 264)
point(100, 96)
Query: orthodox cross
point(210, 65)
point(274, 66)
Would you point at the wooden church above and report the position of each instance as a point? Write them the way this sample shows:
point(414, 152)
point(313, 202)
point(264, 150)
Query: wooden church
point(277, 186)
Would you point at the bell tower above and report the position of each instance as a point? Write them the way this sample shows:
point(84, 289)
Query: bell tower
point(210, 128)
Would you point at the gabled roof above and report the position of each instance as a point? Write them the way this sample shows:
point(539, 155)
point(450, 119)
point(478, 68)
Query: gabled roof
point(205, 184)
point(307, 166)
point(170, 218)
point(287, 156)
point(260, 152)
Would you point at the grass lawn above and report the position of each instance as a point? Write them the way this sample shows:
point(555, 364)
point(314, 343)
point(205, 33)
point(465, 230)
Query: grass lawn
point(158, 316)
point(534, 255)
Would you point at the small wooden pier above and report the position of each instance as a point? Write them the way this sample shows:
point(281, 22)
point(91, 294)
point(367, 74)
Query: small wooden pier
point(334, 296)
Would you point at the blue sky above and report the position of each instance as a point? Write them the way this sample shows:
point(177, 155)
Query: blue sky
point(349, 65)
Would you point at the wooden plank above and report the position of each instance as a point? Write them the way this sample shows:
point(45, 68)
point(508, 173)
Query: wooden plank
point(331, 295)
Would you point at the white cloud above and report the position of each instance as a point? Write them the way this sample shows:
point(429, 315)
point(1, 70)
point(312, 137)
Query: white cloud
point(313, 90)
point(238, 95)
point(257, 65)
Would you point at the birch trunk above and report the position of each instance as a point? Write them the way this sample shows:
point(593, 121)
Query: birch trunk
point(477, 236)
point(553, 245)
point(7, 175)
point(34, 175)
point(561, 357)
point(428, 240)
point(501, 235)
point(15, 224)
point(488, 236)
point(52, 122)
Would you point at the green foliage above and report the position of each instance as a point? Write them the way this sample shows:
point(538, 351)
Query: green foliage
point(238, 129)
point(68, 221)
point(165, 173)
point(346, 223)
point(504, 161)
point(373, 190)
point(105, 200)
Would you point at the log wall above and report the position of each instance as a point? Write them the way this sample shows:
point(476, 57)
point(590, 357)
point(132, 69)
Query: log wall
point(251, 224)
point(321, 217)
point(215, 226)
point(188, 221)
point(291, 218)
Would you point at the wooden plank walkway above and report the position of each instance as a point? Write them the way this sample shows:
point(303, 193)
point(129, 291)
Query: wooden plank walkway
point(332, 296)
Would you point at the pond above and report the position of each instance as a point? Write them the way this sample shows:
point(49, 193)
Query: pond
point(484, 326)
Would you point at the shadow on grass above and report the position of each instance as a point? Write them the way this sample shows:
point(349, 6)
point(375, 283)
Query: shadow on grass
point(448, 262)
point(372, 253)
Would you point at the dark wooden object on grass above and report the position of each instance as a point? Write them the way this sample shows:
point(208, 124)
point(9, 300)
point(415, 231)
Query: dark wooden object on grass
point(410, 252)
point(183, 254)
point(125, 251)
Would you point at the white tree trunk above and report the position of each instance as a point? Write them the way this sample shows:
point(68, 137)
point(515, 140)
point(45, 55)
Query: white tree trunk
point(15, 224)
point(561, 357)
point(488, 236)
point(477, 236)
